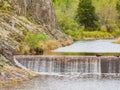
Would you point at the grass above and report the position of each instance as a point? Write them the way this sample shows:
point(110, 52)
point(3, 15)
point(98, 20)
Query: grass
point(31, 42)
point(91, 35)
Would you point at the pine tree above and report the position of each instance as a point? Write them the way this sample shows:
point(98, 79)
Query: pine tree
point(86, 15)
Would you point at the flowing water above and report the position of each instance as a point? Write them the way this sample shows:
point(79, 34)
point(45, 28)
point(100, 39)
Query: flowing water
point(74, 72)
point(80, 66)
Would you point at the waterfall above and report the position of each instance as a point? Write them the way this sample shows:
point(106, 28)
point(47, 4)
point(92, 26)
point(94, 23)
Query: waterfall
point(84, 66)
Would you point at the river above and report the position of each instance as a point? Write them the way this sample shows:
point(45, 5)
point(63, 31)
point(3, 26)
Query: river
point(71, 75)
point(95, 46)
point(45, 82)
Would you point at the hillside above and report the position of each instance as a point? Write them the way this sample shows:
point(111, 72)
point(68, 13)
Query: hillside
point(29, 27)
point(105, 10)
point(19, 19)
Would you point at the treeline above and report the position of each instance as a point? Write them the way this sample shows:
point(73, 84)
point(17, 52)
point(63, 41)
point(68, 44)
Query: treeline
point(83, 19)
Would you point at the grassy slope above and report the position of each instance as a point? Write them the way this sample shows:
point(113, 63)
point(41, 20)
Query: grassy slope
point(27, 36)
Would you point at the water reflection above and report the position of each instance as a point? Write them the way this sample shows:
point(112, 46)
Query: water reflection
point(82, 53)
point(95, 46)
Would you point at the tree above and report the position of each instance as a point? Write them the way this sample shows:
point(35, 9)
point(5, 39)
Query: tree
point(86, 15)
point(118, 11)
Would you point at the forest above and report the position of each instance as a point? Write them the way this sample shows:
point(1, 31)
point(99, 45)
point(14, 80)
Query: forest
point(102, 16)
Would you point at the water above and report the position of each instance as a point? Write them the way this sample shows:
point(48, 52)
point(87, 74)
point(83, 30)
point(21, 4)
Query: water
point(96, 46)
point(70, 73)
point(45, 82)
point(73, 72)
point(80, 66)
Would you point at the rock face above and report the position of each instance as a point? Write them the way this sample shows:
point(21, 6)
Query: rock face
point(37, 16)
point(15, 23)
point(42, 12)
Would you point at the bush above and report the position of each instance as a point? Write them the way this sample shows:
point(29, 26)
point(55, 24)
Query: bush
point(96, 35)
point(31, 42)
point(116, 33)
point(88, 35)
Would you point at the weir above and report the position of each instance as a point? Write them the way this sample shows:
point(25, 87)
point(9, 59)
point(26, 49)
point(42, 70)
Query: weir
point(82, 66)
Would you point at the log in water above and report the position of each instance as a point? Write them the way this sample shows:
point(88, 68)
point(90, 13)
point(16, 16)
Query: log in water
point(83, 66)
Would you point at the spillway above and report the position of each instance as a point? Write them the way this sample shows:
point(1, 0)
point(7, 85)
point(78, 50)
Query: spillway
point(81, 66)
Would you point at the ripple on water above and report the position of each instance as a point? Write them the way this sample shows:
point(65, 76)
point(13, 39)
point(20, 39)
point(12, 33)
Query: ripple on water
point(67, 83)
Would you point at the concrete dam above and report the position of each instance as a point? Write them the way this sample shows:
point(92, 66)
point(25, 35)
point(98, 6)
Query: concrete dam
point(82, 66)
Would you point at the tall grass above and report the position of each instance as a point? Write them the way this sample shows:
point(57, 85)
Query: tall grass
point(88, 35)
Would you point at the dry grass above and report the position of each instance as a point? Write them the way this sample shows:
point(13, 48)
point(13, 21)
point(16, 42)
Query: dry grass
point(44, 46)
point(66, 43)
point(118, 40)
point(49, 45)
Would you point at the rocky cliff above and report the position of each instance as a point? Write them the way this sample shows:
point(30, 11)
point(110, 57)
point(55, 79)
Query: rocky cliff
point(37, 16)
point(19, 17)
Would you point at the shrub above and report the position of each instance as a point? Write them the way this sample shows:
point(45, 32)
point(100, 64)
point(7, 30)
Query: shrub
point(31, 42)
point(116, 33)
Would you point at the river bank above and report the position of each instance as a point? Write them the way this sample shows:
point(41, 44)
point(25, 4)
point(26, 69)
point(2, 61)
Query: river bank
point(10, 74)
point(92, 35)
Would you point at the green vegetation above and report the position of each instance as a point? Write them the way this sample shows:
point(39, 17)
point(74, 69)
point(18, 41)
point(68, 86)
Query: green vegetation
point(88, 35)
point(104, 27)
point(37, 43)
point(86, 15)
point(31, 43)
point(4, 5)
point(65, 14)
point(118, 11)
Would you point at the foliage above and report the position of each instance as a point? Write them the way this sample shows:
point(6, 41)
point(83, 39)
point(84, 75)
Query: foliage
point(104, 9)
point(118, 11)
point(88, 35)
point(116, 33)
point(86, 15)
point(118, 6)
point(5, 5)
point(65, 11)
point(32, 41)
point(67, 23)
point(66, 3)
